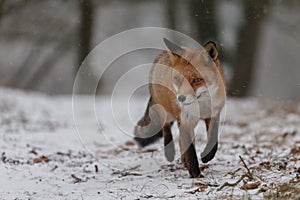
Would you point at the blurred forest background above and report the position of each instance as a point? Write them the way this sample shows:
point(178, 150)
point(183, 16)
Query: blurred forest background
point(43, 42)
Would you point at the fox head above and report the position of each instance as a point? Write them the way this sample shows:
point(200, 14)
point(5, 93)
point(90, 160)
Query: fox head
point(195, 73)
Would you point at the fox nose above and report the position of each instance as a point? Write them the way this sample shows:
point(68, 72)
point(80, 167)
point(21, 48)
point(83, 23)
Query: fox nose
point(181, 98)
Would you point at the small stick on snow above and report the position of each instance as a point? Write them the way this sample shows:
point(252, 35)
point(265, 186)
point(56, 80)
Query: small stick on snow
point(226, 184)
point(77, 180)
point(249, 173)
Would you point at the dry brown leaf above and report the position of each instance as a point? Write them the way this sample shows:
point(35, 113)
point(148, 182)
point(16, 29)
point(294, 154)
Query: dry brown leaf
point(250, 186)
point(33, 151)
point(129, 143)
point(201, 188)
point(41, 159)
point(265, 165)
point(295, 150)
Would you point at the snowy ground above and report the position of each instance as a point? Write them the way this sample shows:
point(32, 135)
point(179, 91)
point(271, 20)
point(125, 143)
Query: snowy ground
point(44, 157)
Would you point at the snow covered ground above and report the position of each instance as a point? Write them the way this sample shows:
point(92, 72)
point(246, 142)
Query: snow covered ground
point(45, 156)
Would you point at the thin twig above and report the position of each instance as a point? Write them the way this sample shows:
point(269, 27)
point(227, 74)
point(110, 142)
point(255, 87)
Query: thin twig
point(127, 172)
point(226, 184)
point(77, 179)
point(248, 175)
point(248, 170)
point(130, 174)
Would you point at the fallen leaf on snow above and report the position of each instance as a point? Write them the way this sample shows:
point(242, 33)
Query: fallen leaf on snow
point(250, 186)
point(265, 165)
point(129, 143)
point(201, 188)
point(295, 150)
point(41, 159)
point(33, 151)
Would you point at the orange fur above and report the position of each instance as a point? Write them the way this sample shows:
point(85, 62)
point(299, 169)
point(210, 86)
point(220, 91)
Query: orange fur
point(188, 85)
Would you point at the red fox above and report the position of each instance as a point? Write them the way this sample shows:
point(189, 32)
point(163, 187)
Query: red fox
point(186, 85)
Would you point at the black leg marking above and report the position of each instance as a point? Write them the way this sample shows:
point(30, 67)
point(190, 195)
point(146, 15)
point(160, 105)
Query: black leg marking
point(189, 156)
point(210, 155)
point(168, 143)
point(192, 161)
point(212, 141)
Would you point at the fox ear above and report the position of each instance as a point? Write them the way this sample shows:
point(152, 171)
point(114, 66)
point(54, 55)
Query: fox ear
point(212, 50)
point(174, 48)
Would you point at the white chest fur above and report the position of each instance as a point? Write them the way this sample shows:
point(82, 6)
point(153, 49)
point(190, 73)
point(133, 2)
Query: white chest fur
point(208, 105)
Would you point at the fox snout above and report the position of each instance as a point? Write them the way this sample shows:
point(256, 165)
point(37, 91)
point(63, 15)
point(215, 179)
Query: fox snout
point(186, 99)
point(181, 98)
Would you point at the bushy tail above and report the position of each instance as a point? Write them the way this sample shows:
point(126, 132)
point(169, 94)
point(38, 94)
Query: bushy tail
point(147, 141)
point(148, 130)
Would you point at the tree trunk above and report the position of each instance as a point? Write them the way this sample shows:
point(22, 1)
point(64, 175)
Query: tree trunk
point(85, 30)
point(171, 12)
point(247, 44)
point(204, 15)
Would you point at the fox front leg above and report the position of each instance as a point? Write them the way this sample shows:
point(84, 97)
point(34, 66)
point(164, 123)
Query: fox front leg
point(212, 125)
point(168, 142)
point(188, 152)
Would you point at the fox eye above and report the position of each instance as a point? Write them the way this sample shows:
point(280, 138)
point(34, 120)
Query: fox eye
point(197, 80)
point(177, 78)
